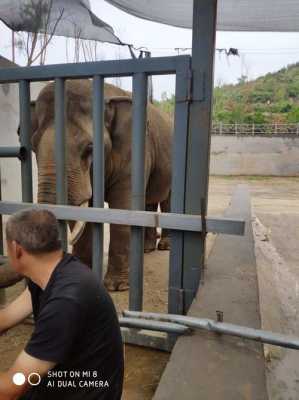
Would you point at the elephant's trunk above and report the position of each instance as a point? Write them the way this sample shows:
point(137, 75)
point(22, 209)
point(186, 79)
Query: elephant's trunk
point(46, 186)
point(8, 276)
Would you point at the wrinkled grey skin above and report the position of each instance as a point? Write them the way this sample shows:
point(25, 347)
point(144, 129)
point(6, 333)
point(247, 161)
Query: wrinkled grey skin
point(117, 140)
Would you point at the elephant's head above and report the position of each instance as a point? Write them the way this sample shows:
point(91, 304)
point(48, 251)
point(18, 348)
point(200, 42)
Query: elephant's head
point(79, 140)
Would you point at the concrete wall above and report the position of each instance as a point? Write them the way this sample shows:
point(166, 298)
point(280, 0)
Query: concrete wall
point(9, 121)
point(236, 155)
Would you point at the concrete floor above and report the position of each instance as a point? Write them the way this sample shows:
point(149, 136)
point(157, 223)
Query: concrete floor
point(275, 202)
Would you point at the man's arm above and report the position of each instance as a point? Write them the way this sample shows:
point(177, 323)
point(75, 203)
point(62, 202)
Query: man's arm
point(16, 311)
point(24, 364)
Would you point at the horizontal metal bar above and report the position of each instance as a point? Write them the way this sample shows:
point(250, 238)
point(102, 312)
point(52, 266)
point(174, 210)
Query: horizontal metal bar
point(150, 66)
point(13, 152)
point(132, 218)
point(158, 326)
point(148, 339)
point(257, 335)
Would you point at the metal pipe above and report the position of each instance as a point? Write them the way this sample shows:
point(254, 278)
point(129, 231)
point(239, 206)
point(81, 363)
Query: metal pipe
point(198, 154)
point(257, 335)
point(60, 152)
point(25, 140)
point(2, 291)
point(178, 190)
point(132, 218)
point(139, 117)
point(108, 69)
point(98, 173)
point(167, 327)
point(13, 152)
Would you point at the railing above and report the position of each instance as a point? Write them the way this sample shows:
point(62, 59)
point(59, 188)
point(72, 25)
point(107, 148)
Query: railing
point(219, 128)
point(137, 218)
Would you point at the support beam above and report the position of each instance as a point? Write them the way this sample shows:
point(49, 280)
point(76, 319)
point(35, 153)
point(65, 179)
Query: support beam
point(107, 69)
point(98, 174)
point(139, 115)
point(198, 154)
point(25, 140)
point(178, 222)
point(60, 152)
point(178, 188)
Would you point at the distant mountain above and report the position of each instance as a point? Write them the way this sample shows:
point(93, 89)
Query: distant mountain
point(273, 98)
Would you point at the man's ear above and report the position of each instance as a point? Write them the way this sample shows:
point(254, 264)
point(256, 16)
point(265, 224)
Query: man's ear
point(17, 249)
point(34, 124)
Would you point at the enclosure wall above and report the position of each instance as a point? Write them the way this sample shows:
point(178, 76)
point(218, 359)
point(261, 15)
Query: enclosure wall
point(273, 156)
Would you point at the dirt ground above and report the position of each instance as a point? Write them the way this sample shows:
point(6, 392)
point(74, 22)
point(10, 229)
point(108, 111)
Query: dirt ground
point(270, 197)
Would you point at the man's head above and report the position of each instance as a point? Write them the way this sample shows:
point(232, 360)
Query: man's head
point(31, 233)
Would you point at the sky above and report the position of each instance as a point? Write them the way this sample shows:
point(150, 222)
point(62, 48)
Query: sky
point(260, 53)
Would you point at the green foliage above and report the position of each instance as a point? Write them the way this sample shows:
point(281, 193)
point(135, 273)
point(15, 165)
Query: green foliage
point(271, 98)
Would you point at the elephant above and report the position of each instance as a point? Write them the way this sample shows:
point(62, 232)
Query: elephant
point(117, 148)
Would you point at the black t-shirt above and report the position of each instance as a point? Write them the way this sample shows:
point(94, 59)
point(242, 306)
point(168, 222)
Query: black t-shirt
point(76, 326)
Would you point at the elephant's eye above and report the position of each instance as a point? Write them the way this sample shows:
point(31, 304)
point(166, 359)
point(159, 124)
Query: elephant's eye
point(87, 151)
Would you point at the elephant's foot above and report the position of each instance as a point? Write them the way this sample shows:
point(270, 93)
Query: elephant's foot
point(115, 283)
point(164, 244)
point(149, 246)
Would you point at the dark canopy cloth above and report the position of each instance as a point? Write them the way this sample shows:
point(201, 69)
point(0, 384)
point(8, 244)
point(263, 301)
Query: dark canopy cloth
point(74, 16)
point(233, 15)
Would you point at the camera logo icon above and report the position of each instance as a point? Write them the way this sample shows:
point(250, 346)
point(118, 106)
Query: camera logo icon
point(33, 379)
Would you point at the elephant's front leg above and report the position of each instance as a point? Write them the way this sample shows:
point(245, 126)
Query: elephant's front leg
point(117, 275)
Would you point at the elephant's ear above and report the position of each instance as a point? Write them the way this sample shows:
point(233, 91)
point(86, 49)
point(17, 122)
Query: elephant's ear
point(34, 123)
point(118, 118)
point(112, 104)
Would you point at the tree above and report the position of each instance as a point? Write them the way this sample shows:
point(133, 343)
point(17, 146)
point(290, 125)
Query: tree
point(37, 18)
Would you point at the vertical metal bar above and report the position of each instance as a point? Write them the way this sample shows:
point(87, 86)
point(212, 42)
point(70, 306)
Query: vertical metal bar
point(25, 140)
point(98, 173)
point(139, 115)
point(2, 291)
point(198, 158)
point(179, 152)
point(60, 152)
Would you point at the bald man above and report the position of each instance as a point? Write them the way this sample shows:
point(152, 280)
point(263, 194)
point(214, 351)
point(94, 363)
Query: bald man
point(75, 351)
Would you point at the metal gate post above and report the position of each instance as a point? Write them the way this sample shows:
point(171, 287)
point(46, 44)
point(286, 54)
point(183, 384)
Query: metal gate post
point(60, 152)
point(139, 115)
point(25, 140)
point(198, 155)
point(178, 187)
point(2, 291)
point(98, 174)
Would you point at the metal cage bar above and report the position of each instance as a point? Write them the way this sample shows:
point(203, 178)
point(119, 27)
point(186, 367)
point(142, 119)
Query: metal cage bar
point(2, 291)
point(198, 154)
point(13, 152)
point(98, 171)
point(139, 115)
point(180, 222)
point(25, 140)
point(178, 188)
point(60, 152)
point(107, 69)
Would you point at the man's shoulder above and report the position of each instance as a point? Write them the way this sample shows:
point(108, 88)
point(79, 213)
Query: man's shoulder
point(73, 280)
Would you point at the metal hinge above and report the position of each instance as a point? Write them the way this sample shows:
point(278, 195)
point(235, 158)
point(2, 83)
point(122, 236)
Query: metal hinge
point(193, 92)
point(186, 95)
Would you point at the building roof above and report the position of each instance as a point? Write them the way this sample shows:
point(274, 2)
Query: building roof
point(233, 15)
point(5, 63)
